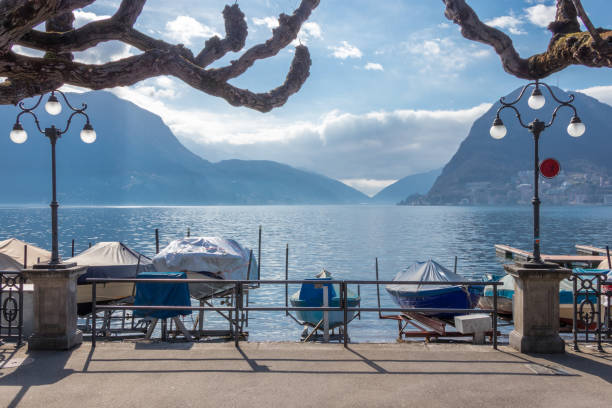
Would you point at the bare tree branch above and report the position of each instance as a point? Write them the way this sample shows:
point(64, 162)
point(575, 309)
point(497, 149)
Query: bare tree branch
point(568, 46)
point(29, 76)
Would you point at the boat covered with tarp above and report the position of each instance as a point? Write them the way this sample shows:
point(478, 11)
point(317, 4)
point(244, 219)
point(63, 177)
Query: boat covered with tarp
point(8, 264)
point(311, 295)
point(212, 258)
point(111, 260)
point(420, 296)
point(23, 253)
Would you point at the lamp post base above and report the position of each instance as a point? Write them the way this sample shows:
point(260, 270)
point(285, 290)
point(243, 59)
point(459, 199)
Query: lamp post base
point(536, 307)
point(55, 306)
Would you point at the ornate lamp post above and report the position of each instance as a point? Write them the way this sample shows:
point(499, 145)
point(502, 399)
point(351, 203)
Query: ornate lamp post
point(19, 135)
point(575, 129)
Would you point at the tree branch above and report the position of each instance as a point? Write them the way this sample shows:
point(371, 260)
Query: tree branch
point(29, 76)
point(568, 46)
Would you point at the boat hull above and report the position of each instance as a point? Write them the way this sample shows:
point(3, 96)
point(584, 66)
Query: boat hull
point(313, 317)
point(105, 293)
point(450, 298)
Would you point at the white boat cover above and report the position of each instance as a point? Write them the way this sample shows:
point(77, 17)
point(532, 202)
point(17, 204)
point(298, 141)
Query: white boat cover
point(8, 264)
point(604, 265)
point(220, 257)
point(13, 248)
point(111, 260)
point(429, 271)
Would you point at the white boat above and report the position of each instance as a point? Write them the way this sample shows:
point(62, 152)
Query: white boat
point(212, 258)
point(18, 251)
point(108, 260)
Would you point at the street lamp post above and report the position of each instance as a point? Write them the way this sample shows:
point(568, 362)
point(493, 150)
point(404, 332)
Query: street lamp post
point(18, 135)
point(575, 129)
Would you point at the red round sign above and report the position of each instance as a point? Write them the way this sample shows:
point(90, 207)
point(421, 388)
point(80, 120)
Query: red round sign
point(549, 168)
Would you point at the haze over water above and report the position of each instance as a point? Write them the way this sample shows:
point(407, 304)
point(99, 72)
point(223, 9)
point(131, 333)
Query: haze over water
point(342, 239)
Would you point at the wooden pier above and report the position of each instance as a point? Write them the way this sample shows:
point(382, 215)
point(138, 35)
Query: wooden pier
point(591, 260)
point(590, 250)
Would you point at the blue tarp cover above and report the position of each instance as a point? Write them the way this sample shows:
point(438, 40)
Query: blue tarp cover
point(162, 294)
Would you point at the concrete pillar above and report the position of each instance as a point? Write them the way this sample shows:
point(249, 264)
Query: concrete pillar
point(535, 307)
point(55, 307)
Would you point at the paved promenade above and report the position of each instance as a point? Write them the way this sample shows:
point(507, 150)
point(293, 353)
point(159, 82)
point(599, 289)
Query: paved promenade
point(302, 375)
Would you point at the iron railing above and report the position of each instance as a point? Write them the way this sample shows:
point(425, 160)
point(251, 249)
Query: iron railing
point(11, 306)
point(588, 295)
point(239, 307)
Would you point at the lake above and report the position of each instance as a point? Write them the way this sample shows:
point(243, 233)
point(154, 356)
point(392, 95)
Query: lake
point(345, 240)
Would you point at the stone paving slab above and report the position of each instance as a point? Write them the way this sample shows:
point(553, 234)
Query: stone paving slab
point(148, 374)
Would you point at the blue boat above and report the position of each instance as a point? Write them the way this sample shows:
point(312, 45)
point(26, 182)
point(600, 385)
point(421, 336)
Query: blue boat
point(311, 295)
point(418, 296)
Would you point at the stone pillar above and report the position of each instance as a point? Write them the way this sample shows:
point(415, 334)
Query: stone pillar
point(55, 307)
point(535, 307)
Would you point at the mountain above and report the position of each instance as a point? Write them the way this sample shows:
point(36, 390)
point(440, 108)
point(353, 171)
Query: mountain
point(137, 160)
point(489, 171)
point(407, 186)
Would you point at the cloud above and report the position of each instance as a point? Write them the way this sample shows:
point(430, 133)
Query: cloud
point(368, 186)
point(28, 52)
point(431, 50)
point(105, 52)
point(601, 93)
point(381, 145)
point(511, 23)
point(373, 66)
point(184, 29)
point(541, 15)
point(83, 17)
point(345, 50)
point(270, 22)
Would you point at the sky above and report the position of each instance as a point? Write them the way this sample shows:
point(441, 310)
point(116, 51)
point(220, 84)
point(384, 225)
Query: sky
point(393, 87)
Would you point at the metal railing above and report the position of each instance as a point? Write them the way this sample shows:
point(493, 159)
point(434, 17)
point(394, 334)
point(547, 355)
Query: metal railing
point(239, 307)
point(588, 294)
point(11, 306)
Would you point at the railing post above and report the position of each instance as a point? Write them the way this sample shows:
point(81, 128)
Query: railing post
point(495, 317)
point(575, 312)
point(94, 313)
point(156, 241)
point(598, 304)
point(345, 312)
point(20, 321)
point(237, 312)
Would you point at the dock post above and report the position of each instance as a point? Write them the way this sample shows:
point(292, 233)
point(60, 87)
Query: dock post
point(495, 317)
point(94, 310)
point(156, 241)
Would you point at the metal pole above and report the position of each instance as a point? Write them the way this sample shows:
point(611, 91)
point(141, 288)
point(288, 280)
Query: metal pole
point(53, 134)
point(72, 248)
point(286, 279)
point(94, 313)
point(495, 317)
point(188, 232)
point(378, 290)
point(345, 318)
point(237, 308)
point(156, 241)
point(20, 330)
point(455, 269)
point(536, 127)
point(598, 304)
point(25, 257)
point(575, 321)
point(259, 255)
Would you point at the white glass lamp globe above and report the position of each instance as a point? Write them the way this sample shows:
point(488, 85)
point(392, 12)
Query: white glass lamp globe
point(576, 128)
point(18, 135)
point(498, 130)
point(88, 134)
point(536, 100)
point(53, 107)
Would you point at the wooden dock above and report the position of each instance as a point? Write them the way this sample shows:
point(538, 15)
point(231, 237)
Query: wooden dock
point(590, 250)
point(569, 261)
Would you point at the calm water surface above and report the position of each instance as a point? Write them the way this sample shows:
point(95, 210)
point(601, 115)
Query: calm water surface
point(342, 239)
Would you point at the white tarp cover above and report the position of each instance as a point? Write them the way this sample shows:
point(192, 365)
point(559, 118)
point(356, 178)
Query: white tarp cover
point(109, 253)
point(429, 271)
point(221, 257)
point(8, 264)
point(111, 260)
point(13, 247)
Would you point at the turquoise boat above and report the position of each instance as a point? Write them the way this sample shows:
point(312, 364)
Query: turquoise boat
point(311, 295)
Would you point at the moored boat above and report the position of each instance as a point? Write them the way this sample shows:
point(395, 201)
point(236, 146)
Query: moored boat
point(311, 295)
point(418, 296)
point(212, 258)
point(108, 260)
point(23, 253)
